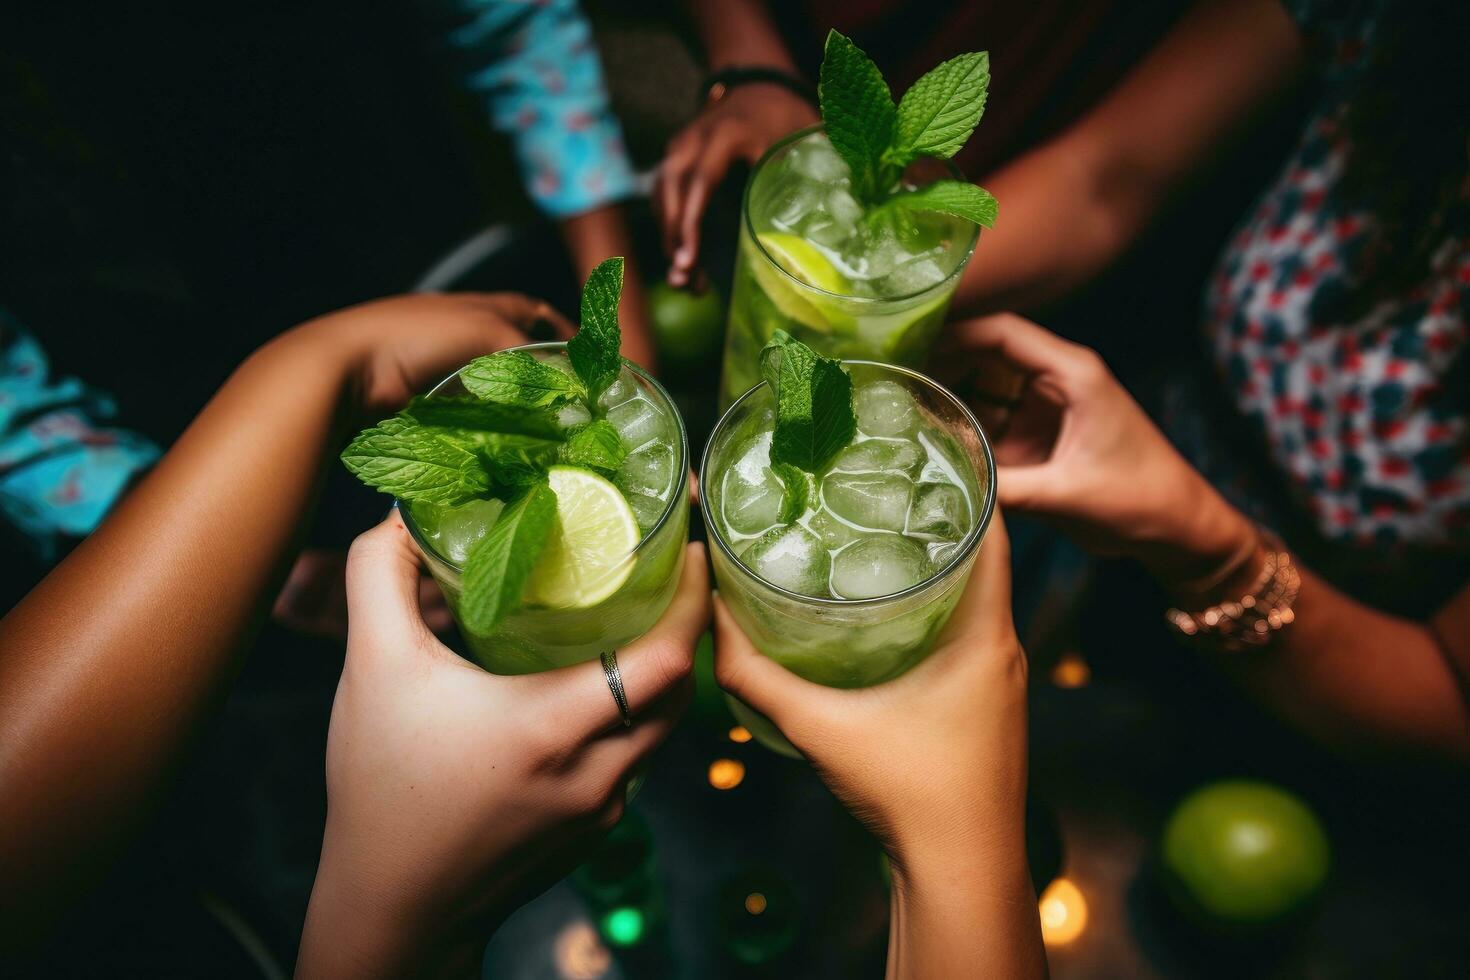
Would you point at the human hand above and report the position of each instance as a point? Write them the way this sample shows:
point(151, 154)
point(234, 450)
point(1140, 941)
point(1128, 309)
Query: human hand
point(399, 347)
point(932, 762)
point(740, 126)
point(453, 794)
point(314, 599)
point(1075, 448)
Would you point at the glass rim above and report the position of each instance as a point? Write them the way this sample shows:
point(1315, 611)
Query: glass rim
point(749, 225)
point(682, 462)
point(968, 544)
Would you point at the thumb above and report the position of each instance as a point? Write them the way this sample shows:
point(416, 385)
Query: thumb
point(383, 589)
point(758, 680)
point(1026, 488)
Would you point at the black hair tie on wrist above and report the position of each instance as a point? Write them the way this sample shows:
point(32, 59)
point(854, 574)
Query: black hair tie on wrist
point(720, 82)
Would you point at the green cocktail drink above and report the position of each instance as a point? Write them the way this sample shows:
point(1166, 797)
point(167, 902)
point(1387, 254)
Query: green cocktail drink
point(854, 590)
point(812, 263)
point(634, 521)
point(547, 487)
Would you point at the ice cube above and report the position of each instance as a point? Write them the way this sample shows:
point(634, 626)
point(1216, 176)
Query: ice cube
point(646, 508)
point(885, 408)
point(815, 158)
point(833, 532)
point(572, 414)
point(939, 511)
point(941, 554)
point(792, 558)
point(637, 422)
point(913, 276)
point(456, 529)
point(650, 470)
point(750, 496)
point(881, 564)
point(621, 390)
point(879, 501)
point(880, 456)
point(843, 207)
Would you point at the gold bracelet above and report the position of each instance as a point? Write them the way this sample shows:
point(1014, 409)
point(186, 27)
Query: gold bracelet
point(1256, 618)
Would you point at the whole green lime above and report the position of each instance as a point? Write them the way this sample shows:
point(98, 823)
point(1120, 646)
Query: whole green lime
point(687, 327)
point(1241, 854)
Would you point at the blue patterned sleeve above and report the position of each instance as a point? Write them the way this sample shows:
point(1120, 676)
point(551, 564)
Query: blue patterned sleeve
point(60, 470)
point(534, 64)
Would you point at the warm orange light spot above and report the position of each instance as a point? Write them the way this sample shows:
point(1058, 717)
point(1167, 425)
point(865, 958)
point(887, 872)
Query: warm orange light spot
point(726, 773)
point(755, 903)
point(1063, 913)
point(1071, 671)
point(740, 734)
point(580, 954)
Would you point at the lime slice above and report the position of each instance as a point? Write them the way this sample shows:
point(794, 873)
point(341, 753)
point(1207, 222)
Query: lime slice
point(589, 554)
point(806, 263)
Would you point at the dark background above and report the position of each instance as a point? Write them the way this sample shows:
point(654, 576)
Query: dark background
point(181, 182)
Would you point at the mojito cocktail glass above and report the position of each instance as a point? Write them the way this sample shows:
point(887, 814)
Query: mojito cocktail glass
point(854, 591)
point(628, 598)
point(845, 282)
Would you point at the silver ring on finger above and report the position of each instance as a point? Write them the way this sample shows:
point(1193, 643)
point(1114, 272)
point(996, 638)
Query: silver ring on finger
point(615, 682)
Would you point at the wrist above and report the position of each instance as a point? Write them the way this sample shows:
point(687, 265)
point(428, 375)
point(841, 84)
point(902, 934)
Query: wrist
point(1207, 550)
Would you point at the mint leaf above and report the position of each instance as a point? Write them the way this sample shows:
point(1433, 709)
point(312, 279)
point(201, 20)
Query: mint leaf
point(515, 377)
point(596, 446)
point(857, 112)
point(814, 414)
point(956, 197)
point(458, 412)
point(414, 463)
point(795, 490)
point(499, 564)
point(937, 115)
point(511, 467)
point(595, 352)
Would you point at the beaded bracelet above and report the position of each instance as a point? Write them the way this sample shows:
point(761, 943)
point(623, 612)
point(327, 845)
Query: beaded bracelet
point(1256, 617)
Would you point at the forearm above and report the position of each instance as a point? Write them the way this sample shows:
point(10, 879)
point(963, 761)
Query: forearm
point(1071, 207)
point(128, 642)
point(1343, 672)
point(593, 236)
point(1057, 230)
point(965, 907)
point(739, 33)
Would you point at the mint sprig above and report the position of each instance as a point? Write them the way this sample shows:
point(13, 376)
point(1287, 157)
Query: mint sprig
point(594, 351)
point(499, 564)
point(595, 446)
point(414, 463)
point(796, 490)
point(878, 139)
point(514, 377)
point(498, 441)
point(814, 413)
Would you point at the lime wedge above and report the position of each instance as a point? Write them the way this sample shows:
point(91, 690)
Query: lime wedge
point(589, 554)
point(805, 263)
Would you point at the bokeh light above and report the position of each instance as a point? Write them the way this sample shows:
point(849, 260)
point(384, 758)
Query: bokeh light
point(740, 734)
point(726, 773)
point(755, 903)
point(1063, 913)
point(579, 954)
point(1071, 671)
point(623, 926)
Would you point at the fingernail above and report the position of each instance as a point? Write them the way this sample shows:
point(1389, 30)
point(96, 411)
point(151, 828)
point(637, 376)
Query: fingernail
point(541, 329)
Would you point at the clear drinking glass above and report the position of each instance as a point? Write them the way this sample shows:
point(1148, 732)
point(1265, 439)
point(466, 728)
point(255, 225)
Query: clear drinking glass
point(834, 641)
point(811, 263)
point(534, 638)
